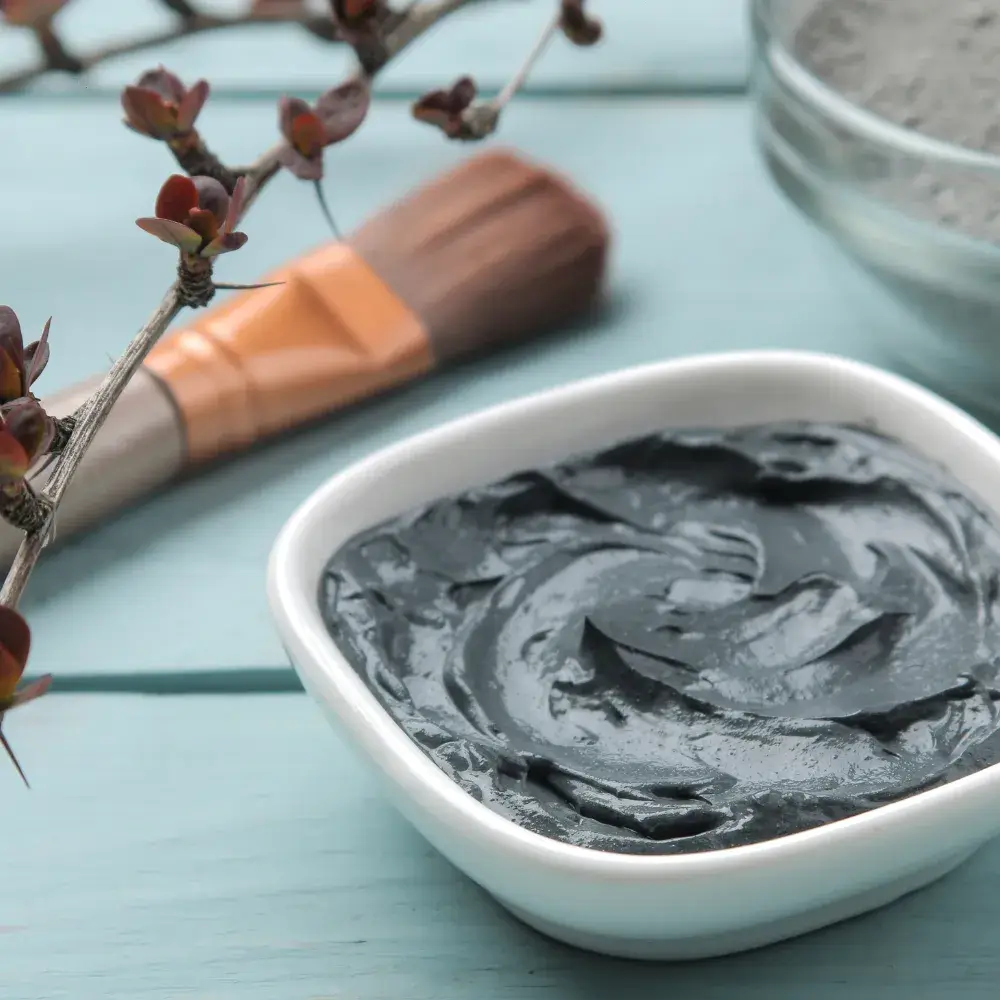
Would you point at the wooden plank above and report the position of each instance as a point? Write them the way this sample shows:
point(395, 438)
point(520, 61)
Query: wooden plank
point(707, 257)
point(230, 848)
point(675, 45)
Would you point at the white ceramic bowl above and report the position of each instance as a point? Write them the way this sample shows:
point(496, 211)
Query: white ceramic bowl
point(689, 906)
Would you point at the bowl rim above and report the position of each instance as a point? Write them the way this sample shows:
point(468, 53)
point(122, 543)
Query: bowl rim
point(854, 117)
point(330, 679)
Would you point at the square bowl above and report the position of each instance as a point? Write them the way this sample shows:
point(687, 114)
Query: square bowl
point(657, 907)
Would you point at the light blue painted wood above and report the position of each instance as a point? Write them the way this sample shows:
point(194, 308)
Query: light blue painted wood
point(706, 257)
point(231, 849)
point(650, 44)
point(228, 848)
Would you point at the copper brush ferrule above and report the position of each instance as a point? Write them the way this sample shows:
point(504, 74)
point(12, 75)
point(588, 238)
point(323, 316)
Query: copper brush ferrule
point(494, 251)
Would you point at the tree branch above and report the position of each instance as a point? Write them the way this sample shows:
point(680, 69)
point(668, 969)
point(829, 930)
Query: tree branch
point(419, 18)
point(95, 412)
point(54, 53)
point(199, 24)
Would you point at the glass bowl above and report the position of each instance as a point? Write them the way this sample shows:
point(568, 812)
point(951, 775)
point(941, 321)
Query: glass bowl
point(928, 285)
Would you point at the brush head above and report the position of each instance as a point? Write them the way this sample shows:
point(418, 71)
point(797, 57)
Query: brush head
point(492, 252)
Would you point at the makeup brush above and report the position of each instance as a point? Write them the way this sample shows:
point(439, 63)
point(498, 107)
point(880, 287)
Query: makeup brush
point(492, 252)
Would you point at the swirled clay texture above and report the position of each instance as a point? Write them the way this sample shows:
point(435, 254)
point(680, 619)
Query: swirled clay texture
point(692, 641)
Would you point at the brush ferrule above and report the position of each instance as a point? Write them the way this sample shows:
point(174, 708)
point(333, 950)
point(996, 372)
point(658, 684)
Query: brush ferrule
point(262, 361)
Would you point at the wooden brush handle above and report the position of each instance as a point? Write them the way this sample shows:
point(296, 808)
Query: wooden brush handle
point(263, 361)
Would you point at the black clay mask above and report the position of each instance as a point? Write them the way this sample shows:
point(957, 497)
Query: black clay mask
point(690, 641)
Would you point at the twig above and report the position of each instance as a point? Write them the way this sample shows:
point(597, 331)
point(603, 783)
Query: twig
point(315, 24)
point(221, 286)
point(54, 53)
point(197, 160)
point(420, 18)
point(325, 209)
point(91, 421)
point(520, 78)
point(480, 118)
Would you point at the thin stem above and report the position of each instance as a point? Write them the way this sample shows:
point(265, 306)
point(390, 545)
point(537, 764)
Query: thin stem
point(520, 78)
point(13, 756)
point(197, 25)
point(91, 421)
point(221, 286)
point(325, 209)
point(420, 18)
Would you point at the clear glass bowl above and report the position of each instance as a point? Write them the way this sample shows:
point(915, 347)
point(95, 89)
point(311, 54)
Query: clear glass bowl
point(927, 287)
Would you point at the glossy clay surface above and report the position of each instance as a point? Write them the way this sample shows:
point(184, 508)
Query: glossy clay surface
point(690, 641)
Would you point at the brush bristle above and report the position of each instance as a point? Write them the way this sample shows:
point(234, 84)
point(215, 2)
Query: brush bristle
point(495, 251)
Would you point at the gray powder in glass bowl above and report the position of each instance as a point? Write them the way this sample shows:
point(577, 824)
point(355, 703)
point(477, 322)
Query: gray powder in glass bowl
point(930, 66)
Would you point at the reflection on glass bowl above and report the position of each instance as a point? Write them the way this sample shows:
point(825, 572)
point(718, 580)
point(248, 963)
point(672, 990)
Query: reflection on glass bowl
point(916, 221)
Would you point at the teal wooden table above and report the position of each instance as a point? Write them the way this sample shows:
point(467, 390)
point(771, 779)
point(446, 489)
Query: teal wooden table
point(195, 829)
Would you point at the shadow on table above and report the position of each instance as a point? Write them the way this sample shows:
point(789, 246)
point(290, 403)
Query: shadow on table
point(936, 944)
point(456, 943)
point(939, 942)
